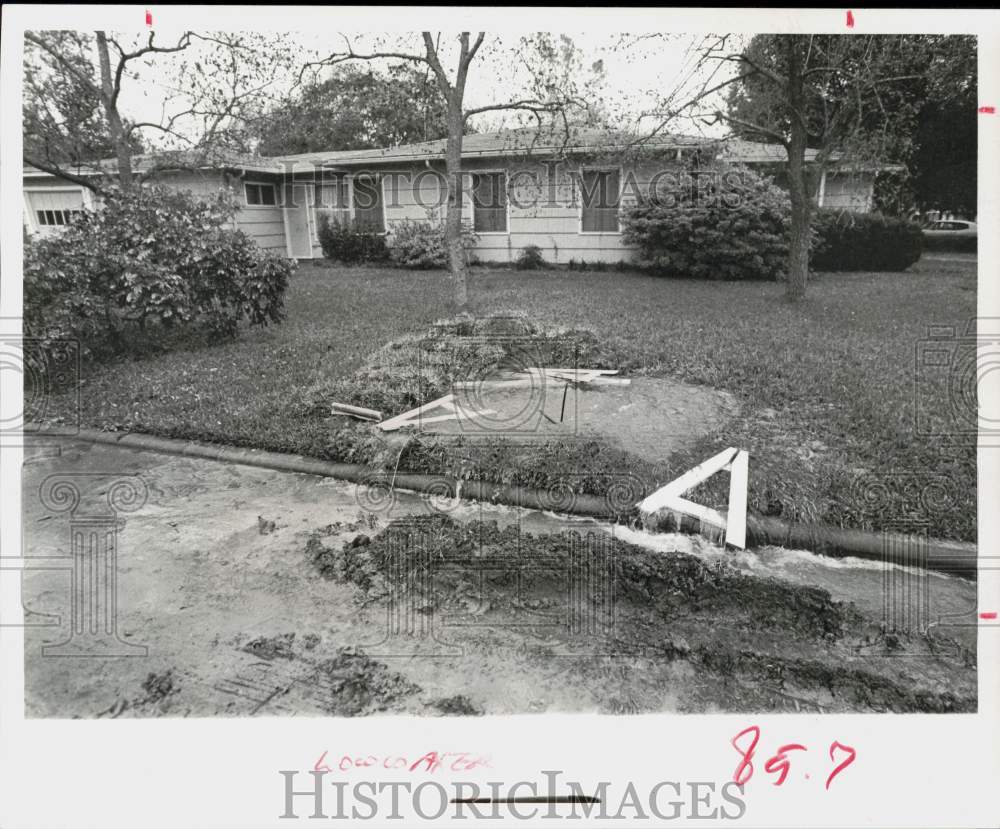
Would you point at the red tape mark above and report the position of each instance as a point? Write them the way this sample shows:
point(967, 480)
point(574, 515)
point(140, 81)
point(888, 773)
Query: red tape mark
point(988, 110)
point(149, 18)
point(992, 614)
point(850, 19)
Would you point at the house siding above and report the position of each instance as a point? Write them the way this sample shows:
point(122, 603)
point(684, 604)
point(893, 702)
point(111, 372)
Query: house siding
point(540, 212)
point(263, 223)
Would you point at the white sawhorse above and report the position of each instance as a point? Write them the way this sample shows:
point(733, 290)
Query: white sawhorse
point(734, 522)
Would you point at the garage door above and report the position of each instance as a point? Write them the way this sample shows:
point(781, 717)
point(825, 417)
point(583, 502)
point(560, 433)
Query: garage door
point(52, 210)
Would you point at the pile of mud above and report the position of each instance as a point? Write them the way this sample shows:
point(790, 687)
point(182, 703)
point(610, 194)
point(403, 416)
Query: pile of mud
point(747, 643)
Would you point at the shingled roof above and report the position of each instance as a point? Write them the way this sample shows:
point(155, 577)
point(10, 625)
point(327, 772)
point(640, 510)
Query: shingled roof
point(517, 143)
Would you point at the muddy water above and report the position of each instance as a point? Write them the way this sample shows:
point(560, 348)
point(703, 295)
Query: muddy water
point(219, 580)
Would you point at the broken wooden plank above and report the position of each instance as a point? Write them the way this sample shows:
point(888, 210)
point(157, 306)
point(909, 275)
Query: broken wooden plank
point(688, 480)
point(406, 418)
point(736, 461)
point(736, 517)
point(420, 415)
point(547, 370)
point(530, 382)
point(356, 411)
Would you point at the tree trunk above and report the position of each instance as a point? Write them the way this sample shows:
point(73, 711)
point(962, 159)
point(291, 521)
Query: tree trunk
point(798, 186)
point(123, 153)
point(453, 217)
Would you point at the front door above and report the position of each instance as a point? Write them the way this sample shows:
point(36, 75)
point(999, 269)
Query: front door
point(298, 226)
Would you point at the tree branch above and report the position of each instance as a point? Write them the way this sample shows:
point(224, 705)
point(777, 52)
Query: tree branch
point(55, 170)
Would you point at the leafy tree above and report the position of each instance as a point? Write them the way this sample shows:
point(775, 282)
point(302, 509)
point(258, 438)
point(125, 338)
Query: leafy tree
point(852, 95)
point(943, 166)
point(62, 116)
point(920, 112)
point(356, 109)
point(943, 163)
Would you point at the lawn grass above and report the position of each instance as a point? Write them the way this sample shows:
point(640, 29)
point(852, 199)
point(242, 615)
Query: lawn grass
point(826, 387)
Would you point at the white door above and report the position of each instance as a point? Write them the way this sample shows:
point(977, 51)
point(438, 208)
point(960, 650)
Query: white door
point(298, 226)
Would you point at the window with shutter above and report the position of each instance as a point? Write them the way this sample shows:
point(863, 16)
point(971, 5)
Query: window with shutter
point(489, 199)
point(600, 191)
point(368, 214)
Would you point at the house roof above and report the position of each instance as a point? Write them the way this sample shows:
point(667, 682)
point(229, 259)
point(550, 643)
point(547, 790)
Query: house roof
point(178, 159)
point(517, 143)
point(740, 151)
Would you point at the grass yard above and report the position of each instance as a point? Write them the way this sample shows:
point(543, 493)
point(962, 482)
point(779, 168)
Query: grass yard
point(827, 387)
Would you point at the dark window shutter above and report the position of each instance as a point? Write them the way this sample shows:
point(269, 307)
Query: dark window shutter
point(599, 200)
point(489, 199)
point(368, 205)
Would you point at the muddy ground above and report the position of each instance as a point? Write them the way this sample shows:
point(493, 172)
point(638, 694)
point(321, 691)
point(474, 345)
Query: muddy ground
point(258, 592)
point(648, 416)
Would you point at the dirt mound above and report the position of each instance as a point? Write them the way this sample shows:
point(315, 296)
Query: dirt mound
point(420, 367)
point(674, 586)
point(746, 643)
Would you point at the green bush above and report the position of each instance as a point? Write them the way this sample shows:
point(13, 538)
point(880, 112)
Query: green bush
point(422, 245)
point(864, 242)
point(722, 223)
point(954, 244)
point(530, 259)
point(342, 243)
point(148, 261)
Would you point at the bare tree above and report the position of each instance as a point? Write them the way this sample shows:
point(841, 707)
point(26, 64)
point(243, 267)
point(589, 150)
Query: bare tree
point(544, 100)
point(218, 80)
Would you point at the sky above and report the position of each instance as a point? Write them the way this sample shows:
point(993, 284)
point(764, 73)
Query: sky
point(637, 74)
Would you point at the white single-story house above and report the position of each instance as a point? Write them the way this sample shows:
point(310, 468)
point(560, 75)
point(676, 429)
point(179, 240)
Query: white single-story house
point(561, 193)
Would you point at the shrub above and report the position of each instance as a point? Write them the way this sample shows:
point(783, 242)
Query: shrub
point(342, 243)
point(147, 261)
point(530, 258)
point(955, 244)
point(725, 223)
point(422, 245)
point(864, 242)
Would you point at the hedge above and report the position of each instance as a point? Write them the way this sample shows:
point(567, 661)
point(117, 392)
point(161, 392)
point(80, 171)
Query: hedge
point(864, 242)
